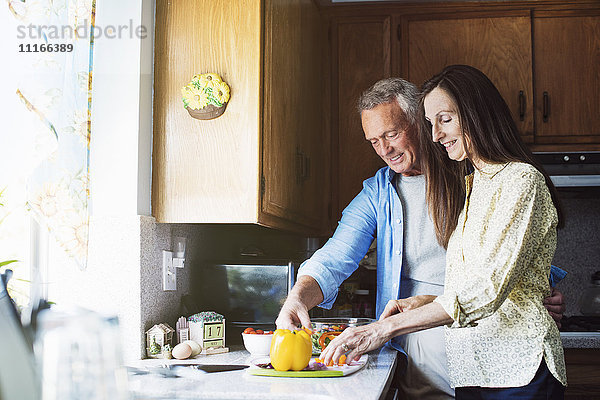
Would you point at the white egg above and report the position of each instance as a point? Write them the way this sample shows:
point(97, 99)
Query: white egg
point(196, 348)
point(182, 351)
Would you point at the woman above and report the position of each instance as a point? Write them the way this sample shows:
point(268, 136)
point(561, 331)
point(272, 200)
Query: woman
point(499, 227)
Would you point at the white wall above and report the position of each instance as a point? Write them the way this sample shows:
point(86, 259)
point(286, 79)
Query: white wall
point(121, 144)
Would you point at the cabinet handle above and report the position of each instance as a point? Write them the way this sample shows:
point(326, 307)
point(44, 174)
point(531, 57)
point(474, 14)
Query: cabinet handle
point(545, 107)
point(306, 171)
point(521, 105)
point(299, 166)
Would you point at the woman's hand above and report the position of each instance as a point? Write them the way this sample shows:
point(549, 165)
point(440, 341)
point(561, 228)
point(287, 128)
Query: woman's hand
point(397, 306)
point(355, 342)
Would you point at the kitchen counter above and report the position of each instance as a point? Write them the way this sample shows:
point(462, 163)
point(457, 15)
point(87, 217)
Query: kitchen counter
point(580, 340)
point(371, 382)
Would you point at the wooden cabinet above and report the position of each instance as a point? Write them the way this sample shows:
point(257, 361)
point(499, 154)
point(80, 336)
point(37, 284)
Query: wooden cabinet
point(498, 45)
point(567, 76)
point(583, 373)
point(265, 159)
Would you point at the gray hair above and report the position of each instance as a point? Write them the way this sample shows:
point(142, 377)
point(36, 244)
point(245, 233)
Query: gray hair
point(385, 90)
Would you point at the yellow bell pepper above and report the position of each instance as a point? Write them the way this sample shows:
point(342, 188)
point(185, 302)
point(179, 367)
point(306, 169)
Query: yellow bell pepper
point(290, 350)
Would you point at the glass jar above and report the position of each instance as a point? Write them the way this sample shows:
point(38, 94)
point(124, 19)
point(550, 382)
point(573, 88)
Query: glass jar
point(590, 301)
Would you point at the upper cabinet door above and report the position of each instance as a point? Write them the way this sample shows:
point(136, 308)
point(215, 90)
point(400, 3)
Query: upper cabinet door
point(361, 55)
point(567, 76)
point(206, 171)
point(498, 44)
point(294, 149)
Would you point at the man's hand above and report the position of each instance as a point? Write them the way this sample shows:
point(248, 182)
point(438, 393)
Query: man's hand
point(292, 314)
point(401, 305)
point(555, 305)
point(305, 294)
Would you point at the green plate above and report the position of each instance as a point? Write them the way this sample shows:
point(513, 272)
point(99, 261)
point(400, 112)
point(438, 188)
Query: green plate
point(295, 374)
point(330, 372)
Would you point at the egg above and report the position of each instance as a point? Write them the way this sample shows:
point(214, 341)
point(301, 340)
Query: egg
point(196, 348)
point(182, 351)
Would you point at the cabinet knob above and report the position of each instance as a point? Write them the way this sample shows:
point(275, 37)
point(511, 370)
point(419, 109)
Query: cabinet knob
point(582, 158)
point(566, 158)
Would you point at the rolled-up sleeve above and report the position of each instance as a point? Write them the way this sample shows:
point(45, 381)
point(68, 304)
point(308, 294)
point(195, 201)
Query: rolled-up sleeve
point(339, 257)
point(497, 245)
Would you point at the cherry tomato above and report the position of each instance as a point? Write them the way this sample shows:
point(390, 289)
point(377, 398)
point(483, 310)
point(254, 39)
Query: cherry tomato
point(249, 330)
point(259, 331)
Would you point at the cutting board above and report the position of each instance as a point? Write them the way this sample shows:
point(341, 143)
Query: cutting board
point(330, 372)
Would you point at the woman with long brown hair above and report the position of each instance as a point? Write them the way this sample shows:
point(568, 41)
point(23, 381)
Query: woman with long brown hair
point(499, 225)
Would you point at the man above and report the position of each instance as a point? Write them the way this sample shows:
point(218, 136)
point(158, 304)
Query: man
point(392, 208)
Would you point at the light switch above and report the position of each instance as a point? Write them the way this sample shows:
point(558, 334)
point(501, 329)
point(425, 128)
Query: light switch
point(169, 274)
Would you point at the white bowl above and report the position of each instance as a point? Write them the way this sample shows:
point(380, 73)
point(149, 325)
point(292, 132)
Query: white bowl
point(257, 344)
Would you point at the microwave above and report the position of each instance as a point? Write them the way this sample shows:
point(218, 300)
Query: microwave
point(248, 294)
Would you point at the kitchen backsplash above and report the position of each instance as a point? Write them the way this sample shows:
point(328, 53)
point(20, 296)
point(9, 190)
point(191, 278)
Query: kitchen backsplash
point(578, 249)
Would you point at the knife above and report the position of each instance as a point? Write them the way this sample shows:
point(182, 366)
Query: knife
point(212, 367)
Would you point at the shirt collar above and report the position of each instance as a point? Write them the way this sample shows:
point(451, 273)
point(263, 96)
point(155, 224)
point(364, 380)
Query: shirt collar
point(390, 174)
point(490, 170)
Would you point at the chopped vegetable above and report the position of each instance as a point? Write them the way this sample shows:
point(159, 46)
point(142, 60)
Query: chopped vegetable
point(327, 337)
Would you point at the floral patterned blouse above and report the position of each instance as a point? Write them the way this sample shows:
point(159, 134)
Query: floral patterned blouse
point(497, 269)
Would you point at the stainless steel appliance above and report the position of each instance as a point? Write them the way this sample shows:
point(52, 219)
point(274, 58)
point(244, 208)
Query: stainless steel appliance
point(572, 169)
point(248, 293)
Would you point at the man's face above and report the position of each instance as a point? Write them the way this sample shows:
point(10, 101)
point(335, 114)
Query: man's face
point(392, 137)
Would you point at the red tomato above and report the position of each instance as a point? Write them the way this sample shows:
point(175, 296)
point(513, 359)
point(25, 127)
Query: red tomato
point(249, 330)
point(259, 331)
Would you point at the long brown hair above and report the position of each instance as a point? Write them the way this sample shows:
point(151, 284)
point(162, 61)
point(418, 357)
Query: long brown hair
point(486, 122)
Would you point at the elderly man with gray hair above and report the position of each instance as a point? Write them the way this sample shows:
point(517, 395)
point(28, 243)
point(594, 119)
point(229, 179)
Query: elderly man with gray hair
point(410, 262)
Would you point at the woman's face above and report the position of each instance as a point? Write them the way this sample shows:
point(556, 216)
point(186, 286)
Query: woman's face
point(442, 113)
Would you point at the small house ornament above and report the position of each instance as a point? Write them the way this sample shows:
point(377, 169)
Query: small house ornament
point(156, 338)
point(205, 96)
point(183, 329)
point(208, 329)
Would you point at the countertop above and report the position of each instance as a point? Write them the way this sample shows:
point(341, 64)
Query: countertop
point(371, 382)
point(580, 340)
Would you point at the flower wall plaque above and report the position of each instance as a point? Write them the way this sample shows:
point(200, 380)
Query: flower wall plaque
point(206, 96)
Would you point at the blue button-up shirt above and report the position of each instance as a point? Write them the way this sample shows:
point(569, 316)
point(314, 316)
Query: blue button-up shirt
point(375, 212)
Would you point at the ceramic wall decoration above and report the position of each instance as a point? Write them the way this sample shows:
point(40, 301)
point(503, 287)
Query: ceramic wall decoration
point(206, 96)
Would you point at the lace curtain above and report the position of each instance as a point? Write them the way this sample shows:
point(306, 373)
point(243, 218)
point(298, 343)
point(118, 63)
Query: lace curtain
point(55, 47)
